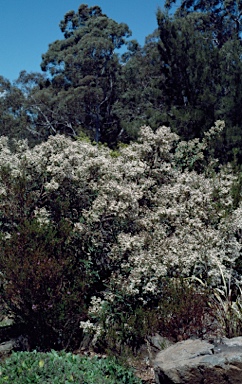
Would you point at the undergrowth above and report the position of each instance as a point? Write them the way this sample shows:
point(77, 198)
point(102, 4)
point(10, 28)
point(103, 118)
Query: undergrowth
point(63, 368)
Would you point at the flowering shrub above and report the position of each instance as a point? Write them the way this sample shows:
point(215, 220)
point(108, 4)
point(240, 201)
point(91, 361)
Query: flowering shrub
point(105, 227)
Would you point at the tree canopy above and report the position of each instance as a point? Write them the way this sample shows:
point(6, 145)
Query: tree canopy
point(186, 76)
point(83, 69)
point(200, 48)
point(222, 17)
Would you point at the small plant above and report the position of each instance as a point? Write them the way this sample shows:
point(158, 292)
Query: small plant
point(63, 368)
point(225, 302)
point(228, 306)
point(179, 313)
point(129, 330)
point(182, 310)
point(120, 328)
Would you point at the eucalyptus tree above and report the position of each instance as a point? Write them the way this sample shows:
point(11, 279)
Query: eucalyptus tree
point(83, 70)
point(13, 118)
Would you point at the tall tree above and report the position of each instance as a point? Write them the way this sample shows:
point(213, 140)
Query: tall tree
point(14, 121)
point(189, 64)
point(83, 69)
point(201, 51)
point(230, 99)
point(141, 99)
point(222, 17)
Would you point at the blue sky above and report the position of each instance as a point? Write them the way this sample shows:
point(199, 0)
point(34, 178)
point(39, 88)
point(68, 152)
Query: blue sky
point(28, 26)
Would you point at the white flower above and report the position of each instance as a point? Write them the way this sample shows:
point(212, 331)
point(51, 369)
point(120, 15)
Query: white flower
point(51, 186)
point(42, 215)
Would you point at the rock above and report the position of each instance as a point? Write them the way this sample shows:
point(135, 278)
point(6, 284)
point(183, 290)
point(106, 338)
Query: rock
point(234, 342)
point(159, 342)
point(20, 343)
point(199, 362)
point(7, 347)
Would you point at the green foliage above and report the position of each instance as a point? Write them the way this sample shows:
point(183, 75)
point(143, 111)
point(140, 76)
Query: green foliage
point(186, 76)
point(181, 312)
point(222, 17)
point(189, 64)
point(83, 71)
point(140, 96)
point(227, 305)
point(125, 325)
point(14, 120)
point(58, 368)
point(200, 48)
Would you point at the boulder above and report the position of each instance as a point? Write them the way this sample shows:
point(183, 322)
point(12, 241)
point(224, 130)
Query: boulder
point(159, 342)
point(6, 347)
point(200, 362)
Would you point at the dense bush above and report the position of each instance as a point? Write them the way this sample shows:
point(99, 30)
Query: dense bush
point(90, 236)
point(46, 287)
point(62, 368)
point(184, 311)
point(180, 312)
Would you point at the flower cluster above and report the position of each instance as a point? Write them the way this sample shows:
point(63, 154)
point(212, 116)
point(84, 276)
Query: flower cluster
point(136, 217)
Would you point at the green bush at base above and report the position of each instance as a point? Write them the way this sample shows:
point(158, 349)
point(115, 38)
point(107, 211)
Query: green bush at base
point(63, 368)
